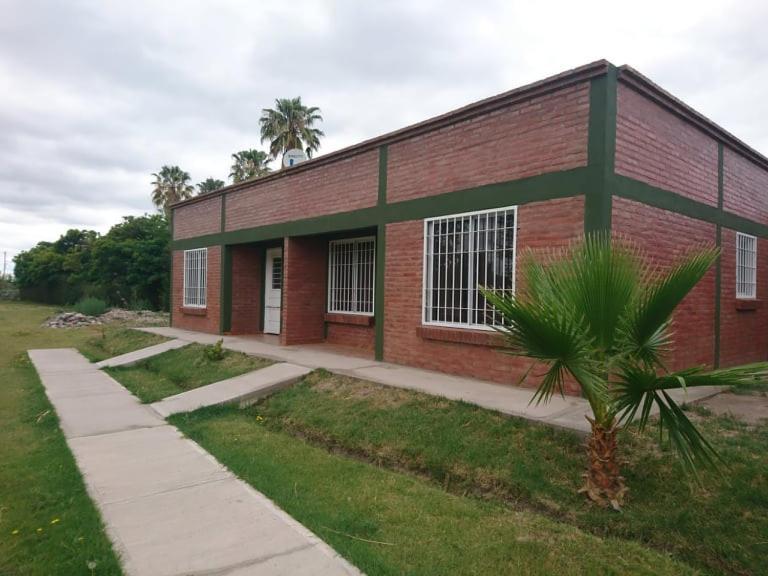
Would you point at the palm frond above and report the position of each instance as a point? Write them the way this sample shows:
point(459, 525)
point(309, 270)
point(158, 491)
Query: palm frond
point(647, 327)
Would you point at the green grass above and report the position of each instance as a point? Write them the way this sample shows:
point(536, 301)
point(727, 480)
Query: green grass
point(180, 370)
point(388, 523)
point(468, 450)
point(48, 524)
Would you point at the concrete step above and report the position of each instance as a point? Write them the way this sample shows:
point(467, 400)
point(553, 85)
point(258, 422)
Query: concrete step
point(139, 355)
point(244, 389)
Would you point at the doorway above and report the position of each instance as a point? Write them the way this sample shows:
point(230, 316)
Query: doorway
point(273, 289)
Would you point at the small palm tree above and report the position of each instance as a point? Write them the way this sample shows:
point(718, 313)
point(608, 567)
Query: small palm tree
point(600, 314)
point(249, 164)
point(171, 185)
point(209, 185)
point(291, 125)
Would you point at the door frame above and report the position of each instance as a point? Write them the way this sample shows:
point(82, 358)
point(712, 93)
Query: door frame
point(271, 252)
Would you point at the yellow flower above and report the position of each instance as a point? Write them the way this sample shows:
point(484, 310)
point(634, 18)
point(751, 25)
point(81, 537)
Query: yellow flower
point(15, 532)
point(39, 530)
point(55, 521)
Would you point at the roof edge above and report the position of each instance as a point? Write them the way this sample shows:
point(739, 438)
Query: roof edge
point(538, 88)
point(650, 89)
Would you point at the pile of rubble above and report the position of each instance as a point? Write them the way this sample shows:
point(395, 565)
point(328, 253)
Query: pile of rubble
point(71, 320)
point(115, 315)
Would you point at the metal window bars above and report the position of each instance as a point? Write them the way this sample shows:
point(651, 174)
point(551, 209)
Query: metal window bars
point(351, 275)
point(462, 253)
point(195, 277)
point(746, 266)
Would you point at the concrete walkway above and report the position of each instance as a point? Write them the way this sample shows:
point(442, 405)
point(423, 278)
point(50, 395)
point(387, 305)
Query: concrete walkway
point(569, 412)
point(245, 389)
point(139, 355)
point(169, 507)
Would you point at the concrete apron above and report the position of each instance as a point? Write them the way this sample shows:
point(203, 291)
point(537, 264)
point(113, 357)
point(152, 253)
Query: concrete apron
point(569, 412)
point(169, 507)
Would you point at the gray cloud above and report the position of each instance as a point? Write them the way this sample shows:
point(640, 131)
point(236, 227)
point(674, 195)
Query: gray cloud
point(98, 95)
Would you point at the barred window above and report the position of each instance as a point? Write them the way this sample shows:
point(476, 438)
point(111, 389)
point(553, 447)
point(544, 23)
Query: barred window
point(195, 277)
point(351, 275)
point(746, 266)
point(462, 253)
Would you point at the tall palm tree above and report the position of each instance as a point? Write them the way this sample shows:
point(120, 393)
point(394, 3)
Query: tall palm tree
point(209, 185)
point(171, 185)
point(291, 125)
point(249, 164)
point(599, 313)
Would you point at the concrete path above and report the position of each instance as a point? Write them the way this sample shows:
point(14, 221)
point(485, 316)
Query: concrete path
point(244, 389)
point(138, 355)
point(169, 507)
point(569, 412)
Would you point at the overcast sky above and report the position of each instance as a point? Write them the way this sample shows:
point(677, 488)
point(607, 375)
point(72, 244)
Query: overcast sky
point(97, 95)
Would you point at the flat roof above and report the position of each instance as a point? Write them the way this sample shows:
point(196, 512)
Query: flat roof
point(624, 73)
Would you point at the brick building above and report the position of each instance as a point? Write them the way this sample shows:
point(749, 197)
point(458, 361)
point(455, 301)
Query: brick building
point(380, 246)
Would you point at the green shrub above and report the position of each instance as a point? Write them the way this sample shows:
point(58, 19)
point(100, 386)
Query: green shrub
point(91, 306)
point(216, 352)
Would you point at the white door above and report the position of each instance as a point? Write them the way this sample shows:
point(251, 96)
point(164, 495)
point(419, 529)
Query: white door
point(273, 285)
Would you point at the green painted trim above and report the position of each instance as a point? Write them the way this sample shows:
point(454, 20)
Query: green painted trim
point(170, 283)
point(225, 296)
point(383, 165)
point(718, 294)
point(548, 186)
point(601, 151)
point(223, 213)
point(378, 297)
point(666, 200)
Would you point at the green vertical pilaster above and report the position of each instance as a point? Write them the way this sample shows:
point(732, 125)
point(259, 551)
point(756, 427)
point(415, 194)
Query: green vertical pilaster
point(381, 233)
point(170, 280)
point(601, 151)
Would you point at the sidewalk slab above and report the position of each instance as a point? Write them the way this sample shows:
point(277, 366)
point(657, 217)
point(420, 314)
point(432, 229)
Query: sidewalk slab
point(569, 412)
point(169, 507)
point(245, 389)
point(139, 355)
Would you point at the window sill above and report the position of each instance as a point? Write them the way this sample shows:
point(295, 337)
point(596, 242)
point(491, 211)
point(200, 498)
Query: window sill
point(461, 336)
point(748, 304)
point(193, 311)
point(353, 319)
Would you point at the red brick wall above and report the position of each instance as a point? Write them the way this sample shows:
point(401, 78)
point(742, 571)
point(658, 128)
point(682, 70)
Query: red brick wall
point(362, 337)
point(745, 187)
point(545, 134)
point(541, 224)
point(666, 237)
point(348, 184)
point(201, 320)
point(304, 289)
point(743, 333)
point(197, 219)
point(247, 285)
point(657, 147)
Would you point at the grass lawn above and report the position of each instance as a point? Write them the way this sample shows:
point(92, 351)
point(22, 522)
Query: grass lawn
point(389, 523)
point(48, 524)
point(180, 370)
point(507, 464)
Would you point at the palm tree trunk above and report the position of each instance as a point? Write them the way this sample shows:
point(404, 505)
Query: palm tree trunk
point(604, 483)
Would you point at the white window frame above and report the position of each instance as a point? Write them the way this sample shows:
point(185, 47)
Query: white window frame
point(472, 290)
point(196, 268)
point(332, 277)
point(746, 271)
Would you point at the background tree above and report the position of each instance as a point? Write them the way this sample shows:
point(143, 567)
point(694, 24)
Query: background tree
point(291, 125)
point(171, 185)
point(249, 164)
point(209, 185)
point(599, 313)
